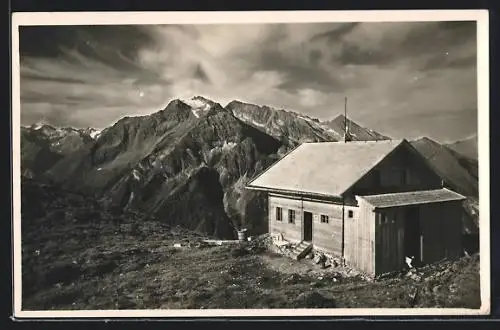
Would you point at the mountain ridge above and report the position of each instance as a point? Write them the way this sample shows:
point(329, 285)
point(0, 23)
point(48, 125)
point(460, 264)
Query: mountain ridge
point(467, 147)
point(160, 162)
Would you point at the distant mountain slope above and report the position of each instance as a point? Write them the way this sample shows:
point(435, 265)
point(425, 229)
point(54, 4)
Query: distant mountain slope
point(459, 173)
point(42, 146)
point(467, 147)
point(357, 132)
point(189, 163)
point(151, 161)
point(296, 128)
point(450, 165)
point(284, 125)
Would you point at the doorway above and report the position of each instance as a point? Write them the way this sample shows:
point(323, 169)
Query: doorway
point(412, 234)
point(307, 226)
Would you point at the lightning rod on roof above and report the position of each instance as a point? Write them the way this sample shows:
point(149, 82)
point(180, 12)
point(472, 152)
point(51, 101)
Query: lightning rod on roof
point(346, 128)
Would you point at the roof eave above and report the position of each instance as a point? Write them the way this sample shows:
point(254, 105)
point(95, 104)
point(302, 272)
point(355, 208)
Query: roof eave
point(413, 204)
point(462, 197)
point(292, 192)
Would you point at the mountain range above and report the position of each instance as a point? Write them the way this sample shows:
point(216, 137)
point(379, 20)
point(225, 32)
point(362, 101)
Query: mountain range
point(188, 163)
point(466, 147)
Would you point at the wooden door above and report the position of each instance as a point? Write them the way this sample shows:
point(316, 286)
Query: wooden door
point(307, 226)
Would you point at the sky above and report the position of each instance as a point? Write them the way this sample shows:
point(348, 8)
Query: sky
point(403, 79)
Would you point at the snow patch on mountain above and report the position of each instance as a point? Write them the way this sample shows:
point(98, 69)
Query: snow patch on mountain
point(228, 145)
point(304, 118)
point(248, 119)
point(198, 105)
point(95, 134)
point(135, 174)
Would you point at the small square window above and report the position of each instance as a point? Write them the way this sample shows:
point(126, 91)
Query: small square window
point(324, 218)
point(350, 213)
point(291, 216)
point(279, 214)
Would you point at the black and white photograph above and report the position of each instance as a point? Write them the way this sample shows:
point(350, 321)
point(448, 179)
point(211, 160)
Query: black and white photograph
point(170, 164)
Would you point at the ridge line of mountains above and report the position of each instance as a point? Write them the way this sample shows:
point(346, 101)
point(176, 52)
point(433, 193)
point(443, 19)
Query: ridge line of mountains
point(188, 163)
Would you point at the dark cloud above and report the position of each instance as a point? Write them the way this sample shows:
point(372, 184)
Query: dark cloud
point(440, 61)
point(424, 39)
point(315, 56)
point(34, 77)
point(335, 35)
point(115, 47)
point(46, 41)
point(200, 74)
point(353, 54)
point(297, 74)
point(397, 75)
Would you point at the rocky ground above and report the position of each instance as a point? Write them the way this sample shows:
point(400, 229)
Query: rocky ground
point(77, 254)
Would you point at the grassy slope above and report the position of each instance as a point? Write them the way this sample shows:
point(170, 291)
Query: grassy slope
point(77, 255)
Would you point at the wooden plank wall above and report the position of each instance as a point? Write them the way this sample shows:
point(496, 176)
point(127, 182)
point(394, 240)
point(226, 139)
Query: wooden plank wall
point(418, 176)
point(389, 240)
point(326, 236)
point(453, 213)
point(441, 229)
point(291, 232)
point(440, 225)
point(359, 237)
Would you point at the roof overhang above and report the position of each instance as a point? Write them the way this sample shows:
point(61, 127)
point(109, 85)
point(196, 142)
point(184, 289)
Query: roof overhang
point(291, 192)
point(412, 198)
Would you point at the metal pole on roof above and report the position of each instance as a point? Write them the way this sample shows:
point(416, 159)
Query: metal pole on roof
point(345, 119)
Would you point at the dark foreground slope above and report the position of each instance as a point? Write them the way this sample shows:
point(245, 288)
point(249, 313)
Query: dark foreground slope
point(78, 254)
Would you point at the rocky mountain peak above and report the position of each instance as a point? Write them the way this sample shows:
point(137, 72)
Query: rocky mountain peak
point(161, 162)
point(201, 106)
point(176, 103)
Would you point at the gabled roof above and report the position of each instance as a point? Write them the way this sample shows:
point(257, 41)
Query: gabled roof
point(324, 168)
point(412, 198)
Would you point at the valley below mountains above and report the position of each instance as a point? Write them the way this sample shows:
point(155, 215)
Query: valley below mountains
point(187, 164)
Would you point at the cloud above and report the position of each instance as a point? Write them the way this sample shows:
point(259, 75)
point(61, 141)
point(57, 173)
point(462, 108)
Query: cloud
point(310, 97)
point(392, 73)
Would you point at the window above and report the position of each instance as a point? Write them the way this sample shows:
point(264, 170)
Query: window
point(350, 213)
point(291, 216)
point(324, 218)
point(279, 214)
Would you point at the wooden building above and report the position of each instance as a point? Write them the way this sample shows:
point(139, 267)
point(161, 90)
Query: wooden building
point(371, 203)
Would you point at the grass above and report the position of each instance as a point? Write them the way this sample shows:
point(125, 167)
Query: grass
point(82, 257)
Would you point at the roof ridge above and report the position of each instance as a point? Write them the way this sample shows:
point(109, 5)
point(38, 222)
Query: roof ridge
point(304, 169)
